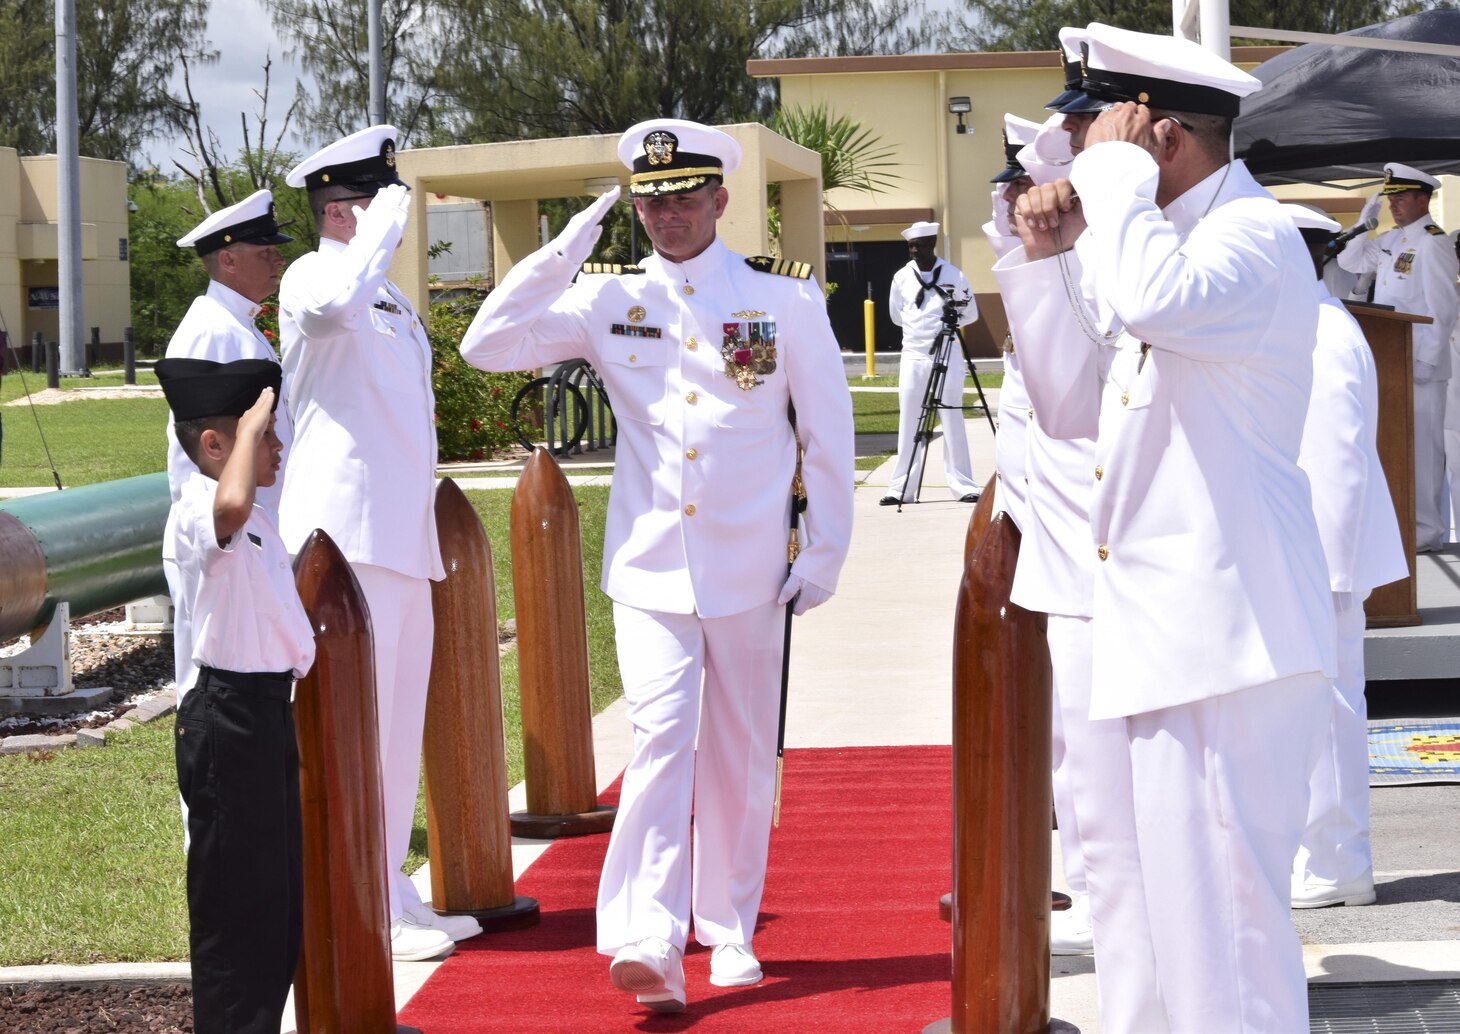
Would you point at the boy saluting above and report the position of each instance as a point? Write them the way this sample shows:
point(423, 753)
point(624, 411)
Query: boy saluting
point(237, 762)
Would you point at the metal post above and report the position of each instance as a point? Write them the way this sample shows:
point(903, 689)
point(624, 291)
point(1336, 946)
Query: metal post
point(377, 73)
point(1216, 22)
point(53, 363)
point(68, 193)
point(37, 352)
point(869, 331)
point(8, 361)
point(129, 356)
point(93, 349)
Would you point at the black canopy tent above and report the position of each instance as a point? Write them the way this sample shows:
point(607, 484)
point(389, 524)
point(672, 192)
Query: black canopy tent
point(1329, 112)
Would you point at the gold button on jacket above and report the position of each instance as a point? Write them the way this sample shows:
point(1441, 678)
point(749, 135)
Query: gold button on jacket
point(1103, 552)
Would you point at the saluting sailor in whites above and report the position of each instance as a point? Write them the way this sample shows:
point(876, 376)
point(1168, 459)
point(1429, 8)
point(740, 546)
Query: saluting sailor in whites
point(239, 249)
point(917, 299)
point(1213, 641)
point(701, 350)
point(1360, 536)
point(1414, 269)
point(358, 369)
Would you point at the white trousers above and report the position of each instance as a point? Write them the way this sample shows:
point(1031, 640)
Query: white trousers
point(403, 628)
point(913, 373)
point(1432, 524)
point(1069, 657)
point(1452, 473)
point(1335, 845)
point(1213, 802)
point(686, 678)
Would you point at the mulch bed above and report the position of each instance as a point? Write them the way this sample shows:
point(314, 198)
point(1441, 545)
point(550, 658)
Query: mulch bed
point(84, 1008)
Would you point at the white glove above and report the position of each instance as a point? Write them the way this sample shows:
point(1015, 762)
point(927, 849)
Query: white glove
point(1369, 215)
point(576, 241)
point(802, 595)
point(1003, 226)
point(1423, 372)
point(382, 224)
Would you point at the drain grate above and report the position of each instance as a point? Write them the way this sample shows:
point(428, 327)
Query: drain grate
point(1385, 1007)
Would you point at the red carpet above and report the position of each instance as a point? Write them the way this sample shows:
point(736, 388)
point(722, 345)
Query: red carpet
point(849, 935)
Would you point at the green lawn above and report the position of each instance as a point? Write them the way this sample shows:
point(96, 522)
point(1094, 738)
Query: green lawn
point(91, 842)
point(91, 441)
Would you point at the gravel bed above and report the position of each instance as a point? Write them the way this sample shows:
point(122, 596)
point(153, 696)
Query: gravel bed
point(103, 653)
point(83, 1008)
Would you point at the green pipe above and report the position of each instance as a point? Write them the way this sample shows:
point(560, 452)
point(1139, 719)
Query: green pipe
point(101, 547)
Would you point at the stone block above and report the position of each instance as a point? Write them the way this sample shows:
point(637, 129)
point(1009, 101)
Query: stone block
point(91, 737)
point(20, 744)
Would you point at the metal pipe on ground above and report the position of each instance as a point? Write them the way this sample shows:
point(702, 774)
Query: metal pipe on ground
point(464, 753)
point(552, 648)
point(96, 547)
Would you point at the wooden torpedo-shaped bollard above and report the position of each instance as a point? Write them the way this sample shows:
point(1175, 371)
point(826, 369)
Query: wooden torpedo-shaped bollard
point(552, 659)
point(977, 525)
point(464, 753)
point(344, 980)
point(1001, 800)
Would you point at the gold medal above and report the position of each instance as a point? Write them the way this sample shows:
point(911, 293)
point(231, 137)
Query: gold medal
point(636, 314)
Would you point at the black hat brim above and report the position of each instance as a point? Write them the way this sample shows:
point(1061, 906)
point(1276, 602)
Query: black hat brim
point(1084, 104)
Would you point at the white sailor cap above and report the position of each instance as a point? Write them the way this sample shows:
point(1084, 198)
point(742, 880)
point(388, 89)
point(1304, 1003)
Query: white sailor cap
point(363, 161)
point(1017, 132)
point(1158, 71)
point(251, 221)
point(1311, 221)
point(917, 231)
point(1399, 178)
point(1047, 157)
point(675, 156)
point(1071, 50)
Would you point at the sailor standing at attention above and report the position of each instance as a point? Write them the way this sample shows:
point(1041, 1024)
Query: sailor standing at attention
point(358, 369)
point(1212, 636)
point(702, 351)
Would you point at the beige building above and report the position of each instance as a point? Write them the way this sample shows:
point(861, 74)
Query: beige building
point(29, 273)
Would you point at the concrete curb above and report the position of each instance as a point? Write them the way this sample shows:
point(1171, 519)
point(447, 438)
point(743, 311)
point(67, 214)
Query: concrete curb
point(145, 709)
point(122, 973)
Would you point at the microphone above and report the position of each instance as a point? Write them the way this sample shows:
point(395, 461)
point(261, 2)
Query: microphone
point(1357, 230)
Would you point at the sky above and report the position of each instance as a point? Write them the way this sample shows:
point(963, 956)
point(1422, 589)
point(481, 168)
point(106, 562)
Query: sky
point(242, 32)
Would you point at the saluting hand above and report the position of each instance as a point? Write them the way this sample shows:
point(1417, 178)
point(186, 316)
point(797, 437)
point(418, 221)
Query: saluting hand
point(1049, 219)
point(576, 241)
point(1130, 122)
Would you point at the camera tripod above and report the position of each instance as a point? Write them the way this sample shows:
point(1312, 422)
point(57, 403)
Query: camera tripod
point(933, 402)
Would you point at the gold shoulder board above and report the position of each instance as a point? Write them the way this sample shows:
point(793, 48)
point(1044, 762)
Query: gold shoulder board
point(610, 268)
point(781, 267)
point(1434, 231)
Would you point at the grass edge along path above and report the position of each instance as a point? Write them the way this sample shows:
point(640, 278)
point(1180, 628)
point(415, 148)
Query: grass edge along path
point(91, 840)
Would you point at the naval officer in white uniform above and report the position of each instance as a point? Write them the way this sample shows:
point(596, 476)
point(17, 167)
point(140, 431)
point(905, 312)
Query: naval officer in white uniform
point(702, 350)
point(239, 249)
point(918, 301)
point(1360, 535)
point(1414, 267)
point(1213, 632)
point(357, 366)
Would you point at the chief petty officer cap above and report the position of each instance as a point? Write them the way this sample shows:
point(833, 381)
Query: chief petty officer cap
point(251, 221)
point(363, 161)
point(1399, 178)
point(674, 156)
point(198, 388)
point(1159, 71)
point(1071, 39)
point(1017, 133)
point(917, 231)
point(1314, 224)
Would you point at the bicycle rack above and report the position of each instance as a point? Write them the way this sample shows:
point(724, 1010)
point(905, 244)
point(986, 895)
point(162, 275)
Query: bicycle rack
point(578, 415)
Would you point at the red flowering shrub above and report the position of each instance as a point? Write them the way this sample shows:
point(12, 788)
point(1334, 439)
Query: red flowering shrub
point(473, 409)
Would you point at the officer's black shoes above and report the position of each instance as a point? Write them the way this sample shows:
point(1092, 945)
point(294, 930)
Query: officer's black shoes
point(889, 500)
point(971, 497)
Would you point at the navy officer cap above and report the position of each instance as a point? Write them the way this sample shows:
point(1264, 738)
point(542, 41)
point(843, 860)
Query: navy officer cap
point(363, 161)
point(200, 388)
point(251, 221)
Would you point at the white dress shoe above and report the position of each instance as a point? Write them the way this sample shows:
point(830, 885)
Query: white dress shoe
point(458, 928)
point(1070, 932)
point(412, 942)
point(653, 971)
point(1322, 895)
point(734, 965)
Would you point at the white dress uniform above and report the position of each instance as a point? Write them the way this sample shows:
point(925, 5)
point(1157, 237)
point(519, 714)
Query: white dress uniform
point(1360, 536)
point(219, 325)
point(1414, 270)
point(1452, 412)
point(357, 364)
point(917, 307)
point(694, 547)
point(1213, 631)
